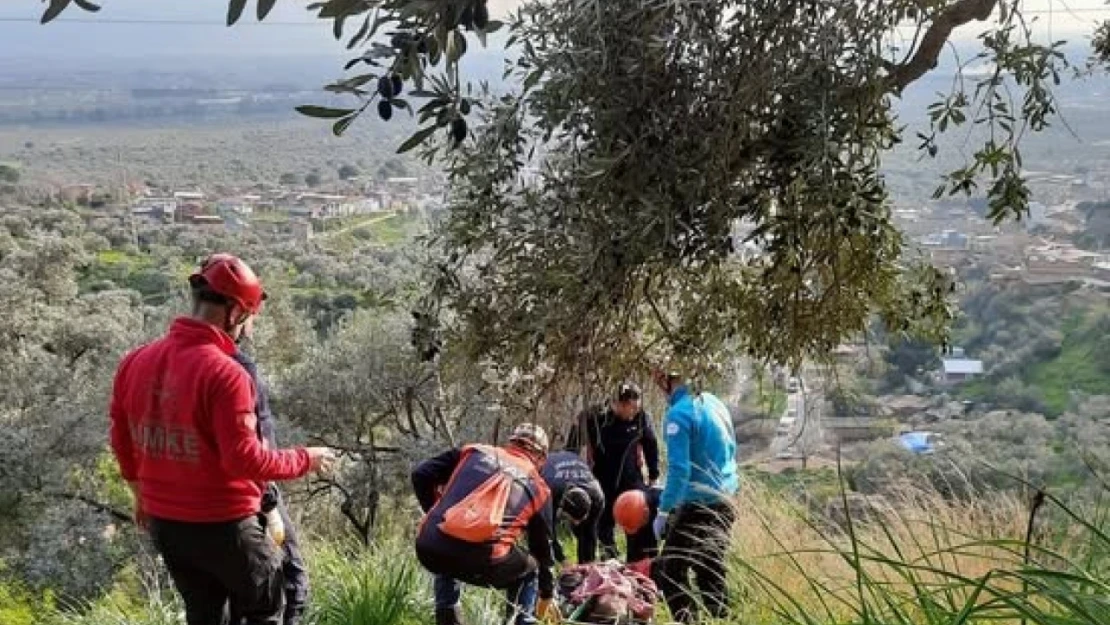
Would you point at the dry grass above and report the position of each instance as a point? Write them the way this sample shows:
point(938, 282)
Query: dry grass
point(914, 558)
point(917, 559)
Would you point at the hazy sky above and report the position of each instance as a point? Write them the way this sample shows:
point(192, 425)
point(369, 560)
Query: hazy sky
point(291, 29)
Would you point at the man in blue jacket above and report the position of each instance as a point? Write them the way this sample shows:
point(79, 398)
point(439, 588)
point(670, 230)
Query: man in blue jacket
point(695, 510)
point(296, 574)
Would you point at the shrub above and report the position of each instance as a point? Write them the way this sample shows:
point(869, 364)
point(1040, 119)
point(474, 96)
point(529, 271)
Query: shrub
point(380, 586)
point(18, 606)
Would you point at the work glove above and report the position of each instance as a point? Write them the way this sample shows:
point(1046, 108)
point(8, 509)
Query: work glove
point(275, 527)
point(660, 525)
point(548, 612)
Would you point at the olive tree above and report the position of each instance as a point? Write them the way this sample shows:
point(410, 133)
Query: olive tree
point(682, 180)
point(58, 349)
point(366, 392)
point(708, 181)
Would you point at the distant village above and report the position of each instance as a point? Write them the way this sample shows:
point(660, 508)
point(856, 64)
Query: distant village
point(296, 210)
point(1040, 252)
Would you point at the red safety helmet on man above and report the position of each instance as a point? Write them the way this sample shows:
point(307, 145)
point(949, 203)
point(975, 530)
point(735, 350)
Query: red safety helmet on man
point(229, 276)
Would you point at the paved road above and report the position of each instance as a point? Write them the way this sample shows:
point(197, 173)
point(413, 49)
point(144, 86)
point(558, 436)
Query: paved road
point(369, 221)
point(799, 432)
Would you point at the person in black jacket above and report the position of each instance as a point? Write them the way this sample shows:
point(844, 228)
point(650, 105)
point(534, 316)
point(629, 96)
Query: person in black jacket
point(576, 497)
point(293, 566)
point(620, 444)
point(478, 500)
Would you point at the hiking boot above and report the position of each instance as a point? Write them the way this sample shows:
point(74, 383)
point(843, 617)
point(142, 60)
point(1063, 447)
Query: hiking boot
point(449, 616)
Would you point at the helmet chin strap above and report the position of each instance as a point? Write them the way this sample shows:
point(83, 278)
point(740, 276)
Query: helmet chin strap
point(229, 325)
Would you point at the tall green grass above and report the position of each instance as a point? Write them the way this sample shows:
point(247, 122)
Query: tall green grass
point(117, 608)
point(380, 586)
point(914, 559)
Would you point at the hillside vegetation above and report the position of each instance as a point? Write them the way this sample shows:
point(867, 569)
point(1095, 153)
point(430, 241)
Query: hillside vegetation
point(916, 559)
point(1046, 347)
point(335, 341)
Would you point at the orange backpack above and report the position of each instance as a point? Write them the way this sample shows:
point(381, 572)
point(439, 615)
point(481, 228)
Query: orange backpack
point(480, 516)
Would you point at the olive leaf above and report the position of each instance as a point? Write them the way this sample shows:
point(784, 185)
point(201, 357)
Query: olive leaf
point(323, 112)
point(264, 8)
point(54, 10)
point(235, 11)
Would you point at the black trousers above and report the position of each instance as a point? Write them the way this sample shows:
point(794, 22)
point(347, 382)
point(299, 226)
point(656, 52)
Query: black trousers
point(215, 566)
point(453, 564)
point(696, 542)
point(585, 534)
point(294, 570)
point(606, 527)
point(643, 544)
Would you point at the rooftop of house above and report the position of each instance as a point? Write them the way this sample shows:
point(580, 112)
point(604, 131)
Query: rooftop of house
point(962, 366)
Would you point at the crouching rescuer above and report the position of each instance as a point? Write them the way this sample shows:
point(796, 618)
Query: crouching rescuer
point(490, 497)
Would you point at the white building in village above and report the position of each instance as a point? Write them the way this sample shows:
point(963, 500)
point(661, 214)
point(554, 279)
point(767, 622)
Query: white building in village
point(956, 370)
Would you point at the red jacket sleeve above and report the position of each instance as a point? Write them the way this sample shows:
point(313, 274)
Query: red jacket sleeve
point(242, 455)
point(119, 431)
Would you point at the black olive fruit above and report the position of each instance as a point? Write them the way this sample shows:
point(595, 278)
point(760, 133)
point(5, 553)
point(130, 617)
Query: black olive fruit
point(466, 19)
point(458, 130)
point(422, 45)
point(385, 110)
point(385, 87)
point(398, 84)
point(464, 106)
point(481, 16)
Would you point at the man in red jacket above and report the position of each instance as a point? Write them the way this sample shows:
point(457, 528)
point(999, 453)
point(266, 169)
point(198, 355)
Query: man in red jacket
point(183, 429)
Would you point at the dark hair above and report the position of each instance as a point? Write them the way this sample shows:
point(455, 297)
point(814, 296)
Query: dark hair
point(628, 391)
point(202, 293)
point(576, 503)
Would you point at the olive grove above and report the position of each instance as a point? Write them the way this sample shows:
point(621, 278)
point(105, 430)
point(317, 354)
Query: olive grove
point(667, 180)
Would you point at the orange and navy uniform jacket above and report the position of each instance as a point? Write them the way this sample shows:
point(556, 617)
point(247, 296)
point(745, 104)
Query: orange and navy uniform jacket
point(183, 427)
point(444, 481)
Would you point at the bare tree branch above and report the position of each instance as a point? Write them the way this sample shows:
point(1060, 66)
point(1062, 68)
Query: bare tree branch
point(925, 57)
point(104, 508)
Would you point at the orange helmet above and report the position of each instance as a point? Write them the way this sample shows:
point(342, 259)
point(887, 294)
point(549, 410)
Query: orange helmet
point(630, 511)
point(230, 277)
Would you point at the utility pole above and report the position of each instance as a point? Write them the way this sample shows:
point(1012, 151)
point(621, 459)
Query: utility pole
point(123, 198)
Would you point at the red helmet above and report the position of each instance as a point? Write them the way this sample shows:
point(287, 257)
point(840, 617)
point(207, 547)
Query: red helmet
point(229, 276)
point(631, 511)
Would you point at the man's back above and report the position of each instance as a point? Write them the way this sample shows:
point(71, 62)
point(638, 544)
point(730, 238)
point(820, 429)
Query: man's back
point(525, 496)
point(267, 428)
point(565, 469)
point(702, 445)
point(183, 426)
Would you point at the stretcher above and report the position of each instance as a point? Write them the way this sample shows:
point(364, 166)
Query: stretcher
point(607, 593)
